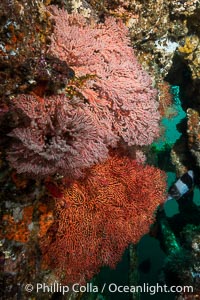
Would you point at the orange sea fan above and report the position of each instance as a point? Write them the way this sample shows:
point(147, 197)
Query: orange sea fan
point(100, 215)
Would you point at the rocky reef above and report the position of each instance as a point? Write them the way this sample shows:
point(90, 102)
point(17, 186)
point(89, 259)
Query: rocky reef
point(88, 89)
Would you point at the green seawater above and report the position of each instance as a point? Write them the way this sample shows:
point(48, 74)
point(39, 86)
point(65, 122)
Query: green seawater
point(148, 246)
point(171, 207)
point(171, 134)
point(196, 197)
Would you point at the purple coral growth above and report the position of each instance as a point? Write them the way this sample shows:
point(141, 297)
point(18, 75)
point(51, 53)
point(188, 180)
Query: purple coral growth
point(114, 103)
point(57, 138)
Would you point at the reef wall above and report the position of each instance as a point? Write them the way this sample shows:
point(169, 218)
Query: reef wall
point(86, 88)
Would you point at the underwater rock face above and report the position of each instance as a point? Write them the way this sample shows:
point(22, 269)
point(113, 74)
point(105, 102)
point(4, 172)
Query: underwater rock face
point(19, 43)
point(157, 28)
point(182, 264)
point(186, 7)
point(194, 133)
point(160, 31)
point(190, 52)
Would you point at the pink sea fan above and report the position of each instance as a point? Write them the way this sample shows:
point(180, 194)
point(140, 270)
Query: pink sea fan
point(110, 101)
point(56, 137)
point(119, 82)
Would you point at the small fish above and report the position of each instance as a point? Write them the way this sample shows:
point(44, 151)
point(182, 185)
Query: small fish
point(183, 185)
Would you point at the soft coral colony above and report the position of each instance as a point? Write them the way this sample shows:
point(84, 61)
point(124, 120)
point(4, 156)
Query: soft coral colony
point(99, 216)
point(110, 199)
point(115, 103)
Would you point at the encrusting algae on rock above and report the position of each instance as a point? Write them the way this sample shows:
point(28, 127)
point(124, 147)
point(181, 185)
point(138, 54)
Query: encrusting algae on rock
point(20, 227)
point(74, 94)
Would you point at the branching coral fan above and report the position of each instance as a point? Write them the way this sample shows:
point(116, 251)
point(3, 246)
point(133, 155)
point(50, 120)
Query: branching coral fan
point(111, 100)
point(97, 217)
point(55, 136)
point(119, 84)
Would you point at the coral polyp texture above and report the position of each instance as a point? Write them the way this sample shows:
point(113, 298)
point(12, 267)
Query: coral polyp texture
point(97, 217)
point(55, 136)
point(109, 101)
point(118, 82)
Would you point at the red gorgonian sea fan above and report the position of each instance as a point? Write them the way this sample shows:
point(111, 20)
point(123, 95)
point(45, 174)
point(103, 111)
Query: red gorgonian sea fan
point(97, 217)
point(119, 84)
point(55, 137)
